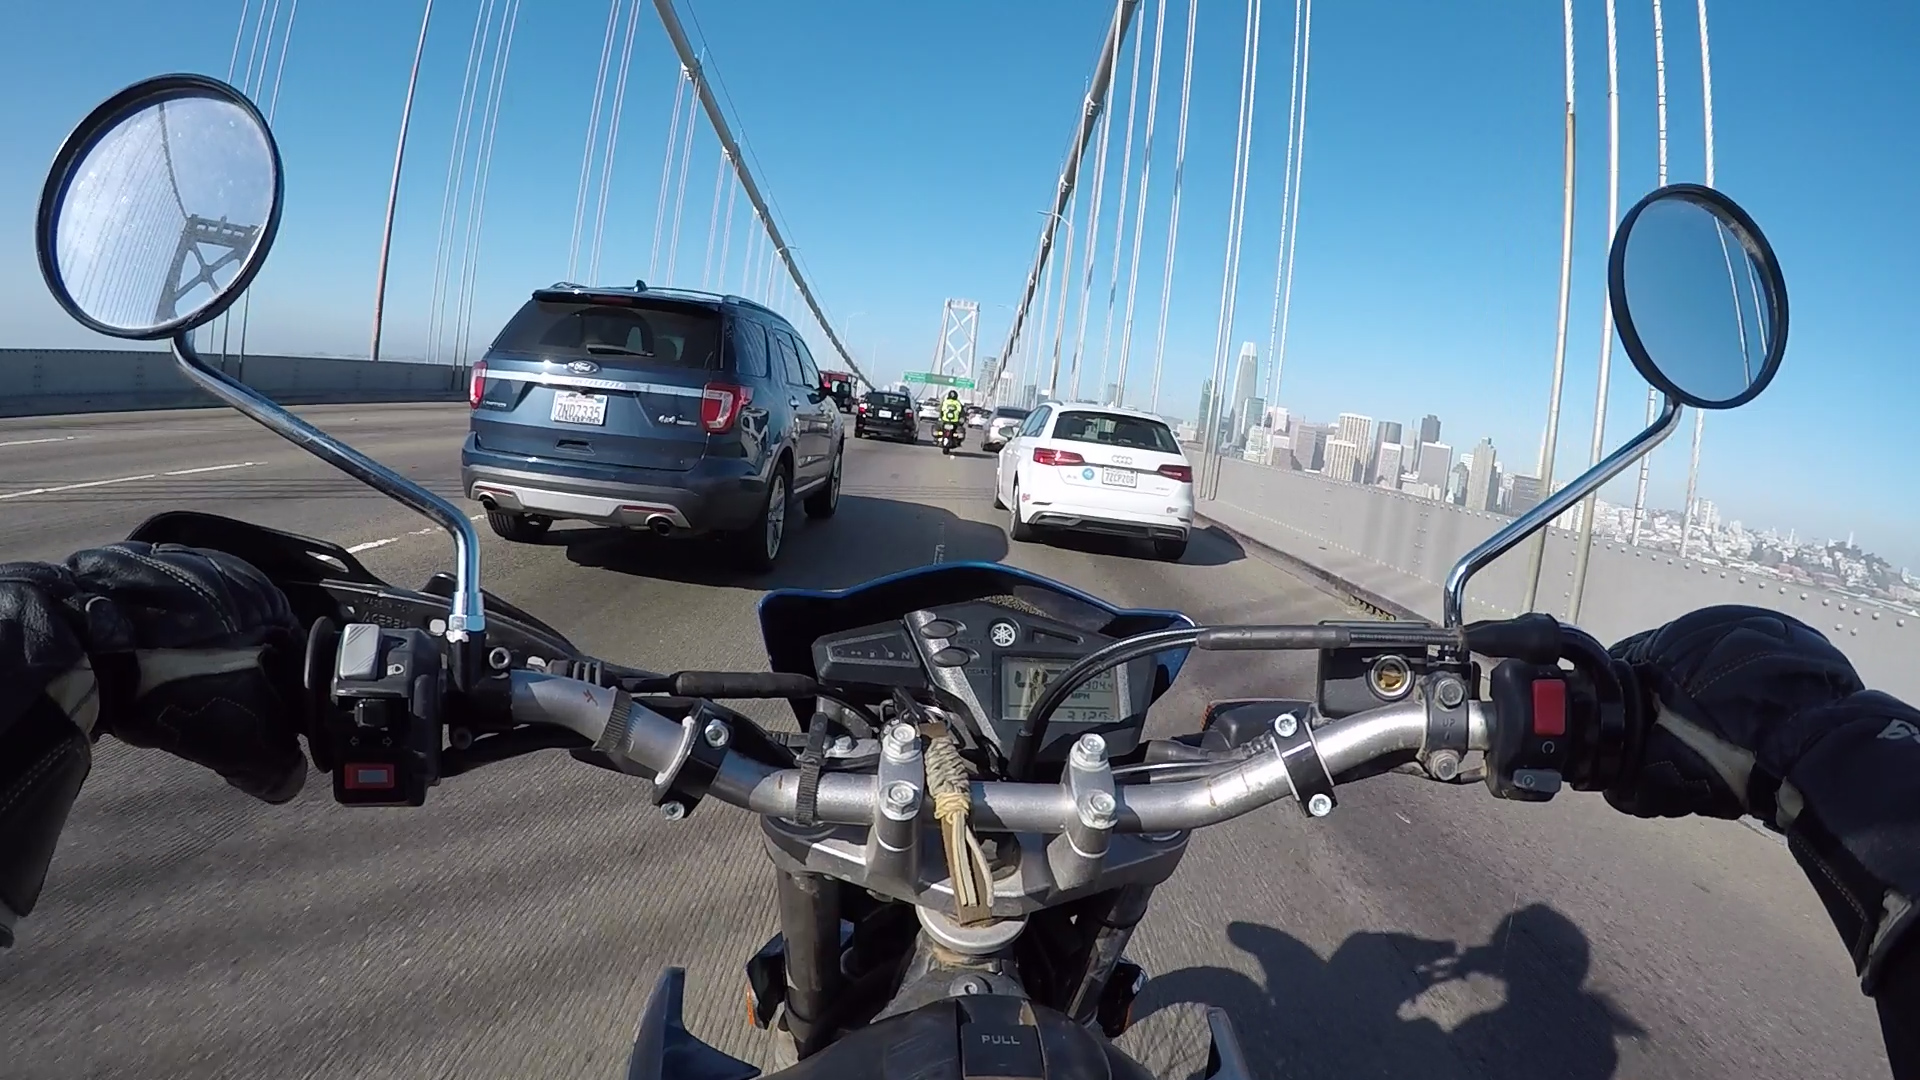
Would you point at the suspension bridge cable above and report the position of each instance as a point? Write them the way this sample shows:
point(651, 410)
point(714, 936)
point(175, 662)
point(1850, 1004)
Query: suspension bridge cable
point(1173, 215)
point(273, 107)
point(502, 55)
point(1585, 549)
point(240, 32)
point(713, 218)
point(726, 232)
point(1120, 218)
point(593, 133)
point(450, 193)
point(1236, 223)
point(1093, 214)
point(666, 171)
point(1293, 212)
point(1699, 415)
point(1660, 106)
point(1550, 440)
point(1140, 210)
point(1286, 194)
point(460, 266)
point(680, 191)
point(613, 142)
point(1064, 266)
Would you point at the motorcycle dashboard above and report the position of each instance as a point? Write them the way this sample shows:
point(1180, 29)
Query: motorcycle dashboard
point(991, 663)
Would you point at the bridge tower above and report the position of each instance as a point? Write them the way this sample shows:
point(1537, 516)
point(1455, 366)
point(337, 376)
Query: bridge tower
point(959, 335)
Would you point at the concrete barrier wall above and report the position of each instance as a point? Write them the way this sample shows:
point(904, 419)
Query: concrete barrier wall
point(47, 382)
point(1628, 588)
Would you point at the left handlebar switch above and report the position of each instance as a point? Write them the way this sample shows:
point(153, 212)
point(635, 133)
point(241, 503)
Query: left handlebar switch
point(383, 734)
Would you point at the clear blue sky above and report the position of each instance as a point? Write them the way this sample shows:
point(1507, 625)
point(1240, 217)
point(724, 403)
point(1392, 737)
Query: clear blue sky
point(909, 149)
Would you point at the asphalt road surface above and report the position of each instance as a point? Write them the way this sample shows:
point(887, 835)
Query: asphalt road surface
point(514, 926)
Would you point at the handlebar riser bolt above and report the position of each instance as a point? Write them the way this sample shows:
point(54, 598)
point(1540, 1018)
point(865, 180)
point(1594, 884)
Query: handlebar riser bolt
point(902, 739)
point(901, 795)
point(716, 734)
point(1320, 805)
point(1444, 765)
point(1286, 725)
point(673, 811)
point(1090, 752)
point(1451, 692)
point(1099, 811)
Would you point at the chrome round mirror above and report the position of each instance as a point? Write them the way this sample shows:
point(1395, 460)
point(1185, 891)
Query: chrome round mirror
point(160, 207)
point(1697, 297)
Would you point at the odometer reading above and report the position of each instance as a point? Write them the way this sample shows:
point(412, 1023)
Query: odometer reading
point(1024, 679)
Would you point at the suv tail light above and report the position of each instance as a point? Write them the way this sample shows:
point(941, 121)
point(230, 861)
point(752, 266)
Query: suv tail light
point(720, 405)
point(1046, 455)
point(1182, 473)
point(478, 386)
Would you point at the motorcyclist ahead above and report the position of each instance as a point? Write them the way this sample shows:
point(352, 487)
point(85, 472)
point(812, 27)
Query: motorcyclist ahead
point(951, 410)
point(197, 653)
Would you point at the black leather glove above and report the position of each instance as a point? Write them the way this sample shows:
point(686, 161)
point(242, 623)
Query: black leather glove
point(1755, 712)
point(188, 651)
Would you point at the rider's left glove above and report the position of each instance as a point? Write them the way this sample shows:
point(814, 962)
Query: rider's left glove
point(189, 651)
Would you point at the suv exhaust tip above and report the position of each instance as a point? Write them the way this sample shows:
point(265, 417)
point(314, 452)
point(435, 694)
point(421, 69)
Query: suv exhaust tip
point(661, 524)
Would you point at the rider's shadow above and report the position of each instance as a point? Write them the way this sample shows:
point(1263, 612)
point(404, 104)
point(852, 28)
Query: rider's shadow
point(1350, 1014)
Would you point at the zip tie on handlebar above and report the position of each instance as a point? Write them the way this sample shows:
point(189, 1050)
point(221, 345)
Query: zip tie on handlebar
point(967, 864)
point(812, 759)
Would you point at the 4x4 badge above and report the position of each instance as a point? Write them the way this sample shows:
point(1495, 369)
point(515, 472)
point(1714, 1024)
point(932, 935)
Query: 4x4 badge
point(583, 367)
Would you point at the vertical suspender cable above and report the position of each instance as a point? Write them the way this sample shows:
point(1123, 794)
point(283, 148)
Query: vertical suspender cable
point(726, 231)
point(1660, 102)
point(713, 219)
point(1037, 341)
point(593, 133)
point(1092, 227)
point(1060, 312)
point(1538, 545)
point(1120, 218)
point(1286, 193)
point(1173, 216)
point(613, 142)
point(1585, 549)
point(1230, 272)
point(666, 171)
point(450, 194)
point(1699, 416)
point(273, 107)
point(1140, 208)
point(502, 53)
point(680, 189)
point(1293, 211)
point(393, 189)
point(490, 41)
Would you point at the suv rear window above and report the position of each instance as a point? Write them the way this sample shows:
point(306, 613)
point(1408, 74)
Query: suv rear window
point(1110, 429)
point(1008, 412)
point(891, 401)
point(615, 335)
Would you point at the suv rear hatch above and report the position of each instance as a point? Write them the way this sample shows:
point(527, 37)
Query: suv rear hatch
point(612, 378)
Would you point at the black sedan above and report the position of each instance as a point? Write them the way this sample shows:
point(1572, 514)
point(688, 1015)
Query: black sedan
point(886, 414)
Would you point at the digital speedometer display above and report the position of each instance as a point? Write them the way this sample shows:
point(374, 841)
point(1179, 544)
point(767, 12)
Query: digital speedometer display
point(1024, 679)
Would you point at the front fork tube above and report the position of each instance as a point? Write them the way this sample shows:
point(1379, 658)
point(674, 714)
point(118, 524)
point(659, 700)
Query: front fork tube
point(810, 923)
point(1111, 928)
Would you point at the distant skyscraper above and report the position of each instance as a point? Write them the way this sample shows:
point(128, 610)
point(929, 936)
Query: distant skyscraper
point(1251, 411)
point(1246, 382)
point(1386, 465)
point(1482, 482)
point(1277, 418)
point(1430, 429)
point(1113, 394)
point(1206, 407)
point(1343, 460)
point(1436, 462)
point(1307, 439)
point(1355, 429)
point(1388, 431)
point(1524, 494)
point(1457, 479)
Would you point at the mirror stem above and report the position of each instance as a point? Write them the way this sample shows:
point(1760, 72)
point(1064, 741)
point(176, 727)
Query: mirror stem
point(467, 621)
point(1454, 601)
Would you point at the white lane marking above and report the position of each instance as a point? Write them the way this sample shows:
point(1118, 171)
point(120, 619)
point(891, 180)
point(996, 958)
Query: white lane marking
point(36, 442)
point(211, 468)
point(384, 541)
point(118, 480)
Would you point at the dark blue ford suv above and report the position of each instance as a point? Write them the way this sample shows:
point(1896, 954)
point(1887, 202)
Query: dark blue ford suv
point(683, 413)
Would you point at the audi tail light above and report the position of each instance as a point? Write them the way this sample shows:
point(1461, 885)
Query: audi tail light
point(477, 386)
point(1046, 455)
point(720, 405)
point(1182, 473)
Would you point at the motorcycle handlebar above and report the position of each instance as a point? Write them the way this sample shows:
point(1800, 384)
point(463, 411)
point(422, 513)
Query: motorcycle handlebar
point(636, 736)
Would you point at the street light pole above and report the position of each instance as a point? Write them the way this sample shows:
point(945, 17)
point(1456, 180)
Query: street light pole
point(393, 190)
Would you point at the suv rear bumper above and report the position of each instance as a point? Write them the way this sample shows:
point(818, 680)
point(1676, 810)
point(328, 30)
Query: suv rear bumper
point(707, 498)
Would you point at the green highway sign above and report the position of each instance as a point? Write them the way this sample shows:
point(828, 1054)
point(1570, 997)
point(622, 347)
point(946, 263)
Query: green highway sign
point(938, 380)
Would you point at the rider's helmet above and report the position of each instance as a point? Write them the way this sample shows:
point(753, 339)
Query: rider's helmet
point(953, 394)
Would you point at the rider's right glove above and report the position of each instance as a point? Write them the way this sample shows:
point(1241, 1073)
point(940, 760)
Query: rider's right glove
point(1754, 712)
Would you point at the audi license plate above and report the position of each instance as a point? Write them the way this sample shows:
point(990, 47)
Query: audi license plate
point(572, 408)
point(1119, 478)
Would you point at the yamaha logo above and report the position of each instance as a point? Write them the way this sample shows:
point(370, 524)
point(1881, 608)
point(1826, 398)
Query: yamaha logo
point(1003, 634)
point(583, 367)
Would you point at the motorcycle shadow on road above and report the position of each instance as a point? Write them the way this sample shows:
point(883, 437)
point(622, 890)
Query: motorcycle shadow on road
point(1352, 1014)
point(867, 538)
